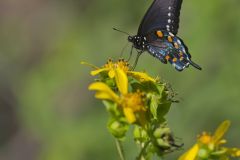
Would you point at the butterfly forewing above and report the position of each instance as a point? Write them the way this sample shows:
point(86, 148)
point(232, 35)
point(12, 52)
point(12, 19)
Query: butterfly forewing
point(163, 14)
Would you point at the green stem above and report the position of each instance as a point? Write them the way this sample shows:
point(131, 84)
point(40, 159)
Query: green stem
point(120, 149)
point(143, 151)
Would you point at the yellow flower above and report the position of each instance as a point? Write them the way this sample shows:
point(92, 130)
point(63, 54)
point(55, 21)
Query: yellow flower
point(110, 67)
point(141, 76)
point(234, 152)
point(208, 145)
point(131, 103)
point(104, 92)
point(191, 154)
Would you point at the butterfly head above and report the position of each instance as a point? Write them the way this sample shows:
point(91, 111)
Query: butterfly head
point(139, 42)
point(130, 39)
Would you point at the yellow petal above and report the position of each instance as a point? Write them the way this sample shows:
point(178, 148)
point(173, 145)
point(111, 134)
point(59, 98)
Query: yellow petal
point(95, 72)
point(221, 130)
point(234, 152)
point(88, 64)
point(190, 154)
point(121, 81)
point(111, 73)
point(237, 153)
point(103, 91)
point(104, 95)
point(141, 76)
point(129, 114)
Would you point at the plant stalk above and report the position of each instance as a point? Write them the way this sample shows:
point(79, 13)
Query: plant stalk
point(143, 151)
point(120, 149)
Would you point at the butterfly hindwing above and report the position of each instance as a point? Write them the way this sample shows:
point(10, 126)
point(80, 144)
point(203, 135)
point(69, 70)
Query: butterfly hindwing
point(162, 14)
point(168, 48)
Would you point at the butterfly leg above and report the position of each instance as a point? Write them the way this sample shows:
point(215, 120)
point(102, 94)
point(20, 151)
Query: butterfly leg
point(123, 49)
point(136, 60)
point(130, 54)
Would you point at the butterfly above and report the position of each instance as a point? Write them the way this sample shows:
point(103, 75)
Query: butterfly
point(157, 35)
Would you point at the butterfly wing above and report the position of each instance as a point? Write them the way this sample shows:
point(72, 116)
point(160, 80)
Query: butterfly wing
point(169, 48)
point(162, 14)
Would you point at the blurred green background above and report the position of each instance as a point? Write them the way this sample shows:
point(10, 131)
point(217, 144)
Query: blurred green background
point(46, 111)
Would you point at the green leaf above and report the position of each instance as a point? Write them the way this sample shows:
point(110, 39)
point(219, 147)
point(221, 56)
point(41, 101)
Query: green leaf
point(163, 109)
point(160, 87)
point(140, 135)
point(164, 103)
point(110, 82)
point(219, 152)
point(159, 106)
point(112, 108)
point(148, 87)
point(154, 101)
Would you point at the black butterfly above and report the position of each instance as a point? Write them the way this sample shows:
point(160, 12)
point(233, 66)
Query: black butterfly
point(157, 35)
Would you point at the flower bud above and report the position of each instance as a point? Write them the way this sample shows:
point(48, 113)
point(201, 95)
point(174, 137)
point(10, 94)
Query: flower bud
point(118, 129)
point(159, 132)
point(162, 143)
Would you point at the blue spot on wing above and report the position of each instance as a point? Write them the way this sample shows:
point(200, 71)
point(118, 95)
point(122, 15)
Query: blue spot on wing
point(158, 52)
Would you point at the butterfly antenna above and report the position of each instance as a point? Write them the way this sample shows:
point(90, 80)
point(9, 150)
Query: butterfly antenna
point(121, 31)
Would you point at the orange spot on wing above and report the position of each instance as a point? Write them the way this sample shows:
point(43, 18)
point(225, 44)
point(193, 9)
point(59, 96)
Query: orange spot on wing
point(176, 45)
point(159, 34)
point(170, 39)
point(167, 57)
point(174, 59)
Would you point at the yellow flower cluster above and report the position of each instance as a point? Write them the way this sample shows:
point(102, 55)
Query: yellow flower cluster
point(137, 99)
point(210, 146)
point(132, 104)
